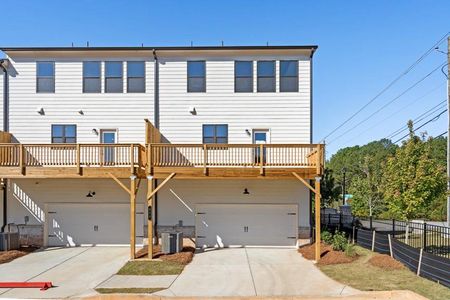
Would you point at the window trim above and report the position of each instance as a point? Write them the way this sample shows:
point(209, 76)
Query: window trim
point(274, 76)
point(91, 77)
point(143, 77)
point(251, 76)
point(297, 76)
point(64, 137)
point(215, 133)
point(51, 77)
point(188, 77)
point(106, 77)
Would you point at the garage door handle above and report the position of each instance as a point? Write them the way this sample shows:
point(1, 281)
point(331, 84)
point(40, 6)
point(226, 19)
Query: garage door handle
point(292, 237)
point(292, 214)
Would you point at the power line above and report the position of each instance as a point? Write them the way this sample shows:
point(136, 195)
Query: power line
point(441, 134)
point(389, 85)
point(429, 112)
point(429, 121)
point(395, 113)
point(389, 103)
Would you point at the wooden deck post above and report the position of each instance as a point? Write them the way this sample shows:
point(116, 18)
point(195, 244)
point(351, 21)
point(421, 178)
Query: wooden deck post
point(133, 217)
point(317, 221)
point(132, 158)
point(261, 158)
point(150, 184)
point(205, 159)
point(22, 159)
point(78, 159)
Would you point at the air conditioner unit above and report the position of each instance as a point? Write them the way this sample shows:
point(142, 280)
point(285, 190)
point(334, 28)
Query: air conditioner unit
point(9, 241)
point(172, 242)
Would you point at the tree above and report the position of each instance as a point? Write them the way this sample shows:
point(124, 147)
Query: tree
point(328, 189)
point(413, 179)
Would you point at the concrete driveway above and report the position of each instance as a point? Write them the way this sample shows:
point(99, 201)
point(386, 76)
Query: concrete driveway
point(74, 271)
point(253, 272)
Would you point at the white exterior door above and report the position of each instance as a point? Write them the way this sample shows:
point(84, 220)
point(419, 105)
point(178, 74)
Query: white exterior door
point(260, 136)
point(228, 225)
point(108, 137)
point(78, 224)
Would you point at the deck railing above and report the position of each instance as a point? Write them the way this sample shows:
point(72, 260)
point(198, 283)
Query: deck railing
point(71, 155)
point(235, 155)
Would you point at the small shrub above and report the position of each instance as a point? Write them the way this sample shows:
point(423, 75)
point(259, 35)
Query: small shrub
point(339, 241)
point(327, 237)
point(350, 250)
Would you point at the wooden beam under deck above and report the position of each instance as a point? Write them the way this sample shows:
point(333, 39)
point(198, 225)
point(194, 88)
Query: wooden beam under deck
point(68, 172)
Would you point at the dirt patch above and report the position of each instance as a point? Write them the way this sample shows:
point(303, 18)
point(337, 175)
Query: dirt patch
point(327, 255)
point(385, 262)
point(184, 257)
point(7, 256)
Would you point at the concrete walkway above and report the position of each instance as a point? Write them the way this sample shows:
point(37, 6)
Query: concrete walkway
point(74, 271)
point(253, 272)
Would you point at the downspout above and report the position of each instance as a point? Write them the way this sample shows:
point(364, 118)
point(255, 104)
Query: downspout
point(311, 221)
point(4, 181)
point(156, 124)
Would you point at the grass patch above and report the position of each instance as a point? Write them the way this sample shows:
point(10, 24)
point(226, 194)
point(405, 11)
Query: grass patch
point(154, 267)
point(128, 290)
point(362, 275)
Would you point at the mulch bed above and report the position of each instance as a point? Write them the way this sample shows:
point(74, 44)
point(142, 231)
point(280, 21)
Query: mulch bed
point(184, 257)
point(7, 256)
point(327, 255)
point(385, 262)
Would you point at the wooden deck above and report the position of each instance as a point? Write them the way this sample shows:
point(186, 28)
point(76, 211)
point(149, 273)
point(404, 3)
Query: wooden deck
point(188, 161)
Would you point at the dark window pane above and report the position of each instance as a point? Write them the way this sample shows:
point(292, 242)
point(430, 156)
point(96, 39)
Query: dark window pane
point(266, 84)
point(220, 140)
point(136, 85)
point(208, 140)
point(222, 130)
point(196, 84)
point(289, 68)
point(57, 140)
point(46, 85)
point(113, 85)
point(244, 69)
point(70, 131)
point(45, 69)
point(208, 130)
point(260, 136)
point(91, 85)
point(71, 140)
point(244, 84)
point(135, 69)
point(196, 69)
point(289, 84)
point(266, 68)
point(57, 130)
point(91, 69)
point(113, 69)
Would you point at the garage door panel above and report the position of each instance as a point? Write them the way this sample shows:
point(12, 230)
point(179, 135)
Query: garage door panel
point(74, 224)
point(225, 225)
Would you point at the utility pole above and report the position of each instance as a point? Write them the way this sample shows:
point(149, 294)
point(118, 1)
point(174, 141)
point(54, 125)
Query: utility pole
point(448, 132)
point(343, 186)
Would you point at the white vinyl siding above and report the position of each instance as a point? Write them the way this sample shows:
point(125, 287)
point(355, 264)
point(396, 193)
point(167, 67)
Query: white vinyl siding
point(121, 111)
point(287, 115)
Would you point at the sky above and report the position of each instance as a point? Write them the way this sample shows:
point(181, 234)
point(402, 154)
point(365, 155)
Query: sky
point(363, 46)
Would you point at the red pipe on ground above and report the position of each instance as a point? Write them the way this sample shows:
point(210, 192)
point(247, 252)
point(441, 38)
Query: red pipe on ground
point(41, 285)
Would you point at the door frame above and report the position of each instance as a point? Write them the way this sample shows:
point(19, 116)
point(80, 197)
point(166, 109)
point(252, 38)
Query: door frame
point(103, 130)
point(266, 130)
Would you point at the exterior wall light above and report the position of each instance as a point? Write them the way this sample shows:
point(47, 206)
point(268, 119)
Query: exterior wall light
point(246, 192)
point(90, 194)
point(94, 131)
point(40, 110)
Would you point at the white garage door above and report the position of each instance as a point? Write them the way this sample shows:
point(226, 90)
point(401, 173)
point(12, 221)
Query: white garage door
point(78, 224)
point(227, 225)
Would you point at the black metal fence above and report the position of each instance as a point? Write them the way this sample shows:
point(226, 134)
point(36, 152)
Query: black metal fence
point(423, 248)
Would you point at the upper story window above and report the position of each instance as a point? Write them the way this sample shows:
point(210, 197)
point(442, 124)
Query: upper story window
point(136, 77)
point(45, 77)
point(113, 77)
point(266, 76)
point(64, 134)
point(288, 76)
point(215, 134)
point(243, 76)
point(196, 73)
point(92, 77)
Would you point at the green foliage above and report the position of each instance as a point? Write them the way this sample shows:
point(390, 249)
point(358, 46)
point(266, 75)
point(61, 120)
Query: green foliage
point(413, 180)
point(329, 190)
point(350, 250)
point(326, 237)
point(396, 182)
point(339, 241)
